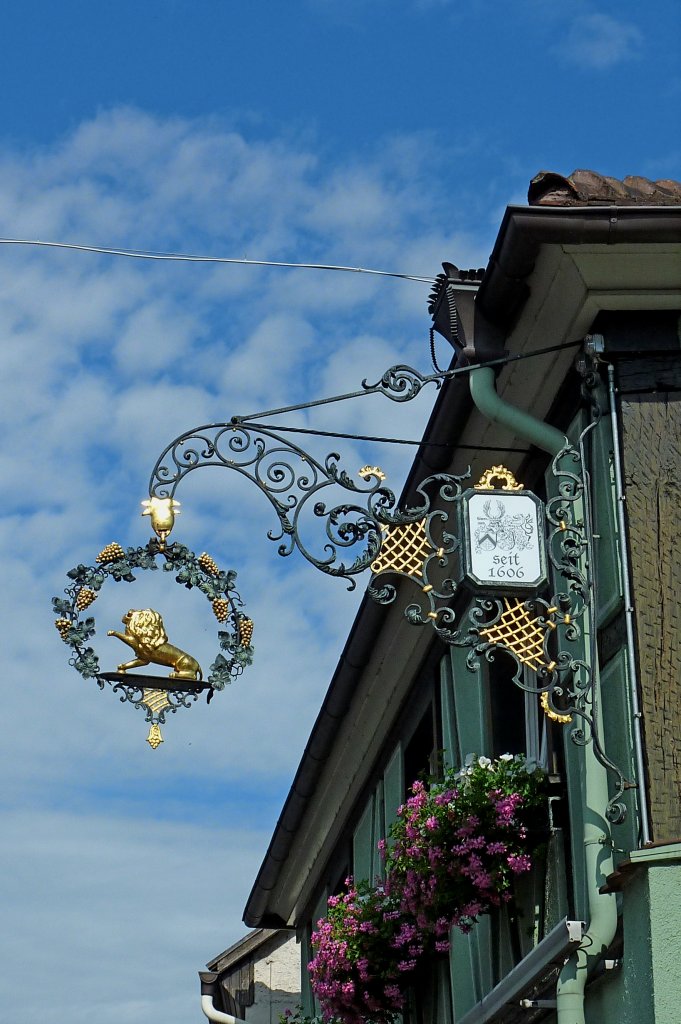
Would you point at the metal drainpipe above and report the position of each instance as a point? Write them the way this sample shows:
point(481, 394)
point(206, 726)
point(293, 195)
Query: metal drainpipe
point(209, 981)
point(597, 839)
point(628, 612)
point(485, 397)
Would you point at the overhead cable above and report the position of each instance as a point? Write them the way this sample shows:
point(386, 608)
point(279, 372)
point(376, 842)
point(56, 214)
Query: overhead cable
point(142, 254)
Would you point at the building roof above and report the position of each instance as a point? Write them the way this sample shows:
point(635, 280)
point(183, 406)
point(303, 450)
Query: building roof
point(245, 949)
point(583, 188)
point(535, 245)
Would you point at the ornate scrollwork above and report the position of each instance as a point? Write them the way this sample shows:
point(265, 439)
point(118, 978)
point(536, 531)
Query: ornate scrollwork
point(401, 383)
point(292, 481)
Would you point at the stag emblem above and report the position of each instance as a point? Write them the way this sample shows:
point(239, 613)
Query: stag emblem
point(499, 531)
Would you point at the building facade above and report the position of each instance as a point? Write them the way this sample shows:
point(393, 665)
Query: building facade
point(584, 286)
point(257, 979)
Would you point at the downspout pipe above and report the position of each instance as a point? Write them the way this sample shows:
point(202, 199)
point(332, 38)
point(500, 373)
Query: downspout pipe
point(208, 983)
point(598, 844)
point(597, 838)
point(523, 424)
point(602, 906)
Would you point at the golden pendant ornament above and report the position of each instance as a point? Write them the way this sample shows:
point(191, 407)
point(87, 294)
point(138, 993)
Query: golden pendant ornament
point(155, 739)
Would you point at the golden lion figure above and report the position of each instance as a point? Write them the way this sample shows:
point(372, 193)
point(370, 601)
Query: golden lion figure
point(145, 633)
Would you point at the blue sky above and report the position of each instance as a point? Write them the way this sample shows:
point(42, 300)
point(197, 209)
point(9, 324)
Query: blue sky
point(369, 133)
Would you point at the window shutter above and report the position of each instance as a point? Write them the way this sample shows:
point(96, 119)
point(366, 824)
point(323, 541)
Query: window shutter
point(362, 844)
point(393, 787)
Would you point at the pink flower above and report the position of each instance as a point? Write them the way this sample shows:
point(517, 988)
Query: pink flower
point(519, 863)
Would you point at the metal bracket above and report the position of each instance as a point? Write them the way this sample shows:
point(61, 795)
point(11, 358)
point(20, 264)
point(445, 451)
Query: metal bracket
point(575, 930)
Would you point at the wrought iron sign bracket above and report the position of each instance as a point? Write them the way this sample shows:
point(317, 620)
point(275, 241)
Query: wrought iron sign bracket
point(526, 565)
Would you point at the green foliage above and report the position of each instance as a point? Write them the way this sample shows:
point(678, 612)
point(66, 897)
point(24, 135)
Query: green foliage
point(220, 674)
point(61, 607)
point(298, 1017)
point(86, 662)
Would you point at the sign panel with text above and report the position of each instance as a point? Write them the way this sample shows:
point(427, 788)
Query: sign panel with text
point(504, 546)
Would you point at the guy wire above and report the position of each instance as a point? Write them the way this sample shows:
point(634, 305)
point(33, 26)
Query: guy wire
point(431, 378)
point(275, 427)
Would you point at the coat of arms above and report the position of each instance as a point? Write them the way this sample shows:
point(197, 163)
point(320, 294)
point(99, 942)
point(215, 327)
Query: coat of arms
point(496, 530)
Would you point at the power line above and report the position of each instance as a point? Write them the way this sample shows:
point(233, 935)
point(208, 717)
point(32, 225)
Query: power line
point(142, 254)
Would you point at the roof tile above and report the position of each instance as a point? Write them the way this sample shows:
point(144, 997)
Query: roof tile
point(588, 188)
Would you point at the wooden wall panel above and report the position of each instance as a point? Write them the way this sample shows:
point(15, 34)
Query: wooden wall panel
point(651, 442)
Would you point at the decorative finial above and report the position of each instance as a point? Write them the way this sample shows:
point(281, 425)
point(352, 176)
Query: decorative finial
point(162, 512)
point(366, 472)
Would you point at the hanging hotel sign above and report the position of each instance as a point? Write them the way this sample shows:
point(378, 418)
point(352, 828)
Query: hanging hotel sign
point(503, 533)
point(145, 632)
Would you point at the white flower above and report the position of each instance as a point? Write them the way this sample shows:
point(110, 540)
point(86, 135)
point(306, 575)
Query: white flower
point(484, 762)
point(506, 757)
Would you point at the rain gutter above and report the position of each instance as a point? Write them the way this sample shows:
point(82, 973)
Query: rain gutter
point(524, 229)
point(629, 612)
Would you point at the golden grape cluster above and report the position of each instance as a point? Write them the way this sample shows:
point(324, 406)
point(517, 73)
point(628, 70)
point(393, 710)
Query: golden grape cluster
point(85, 598)
point(64, 627)
point(111, 553)
point(208, 564)
point(245, 631)
point(220, 609)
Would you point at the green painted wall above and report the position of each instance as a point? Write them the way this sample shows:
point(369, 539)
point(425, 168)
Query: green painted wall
point(647, 988)
point(664, 886)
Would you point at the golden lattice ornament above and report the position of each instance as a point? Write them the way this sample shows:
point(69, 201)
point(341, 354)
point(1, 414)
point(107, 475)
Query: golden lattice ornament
point(520, 633)
point(155, 700)
point(404, 549)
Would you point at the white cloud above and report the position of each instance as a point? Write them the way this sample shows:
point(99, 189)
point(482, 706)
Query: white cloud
point(130, 871)
point(124, 913)
point(599, 41)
